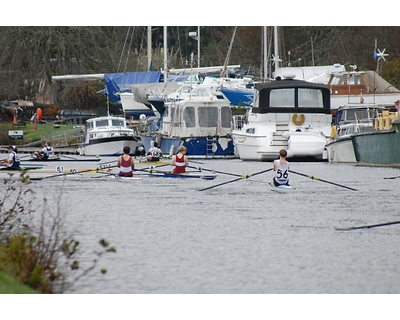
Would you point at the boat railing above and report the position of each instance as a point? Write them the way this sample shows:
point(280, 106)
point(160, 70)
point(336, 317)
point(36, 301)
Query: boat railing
point(238, 122)
point(353, 128)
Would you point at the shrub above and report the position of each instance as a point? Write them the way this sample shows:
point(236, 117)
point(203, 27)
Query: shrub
point(37, 249)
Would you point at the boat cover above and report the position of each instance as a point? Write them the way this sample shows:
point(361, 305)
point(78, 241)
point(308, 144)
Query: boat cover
point(120, 82)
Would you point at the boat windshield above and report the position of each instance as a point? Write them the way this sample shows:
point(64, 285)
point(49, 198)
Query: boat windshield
point(118, 123)
point(102, 123)
point(354, 115)
point(310, 98)
point(306, 98)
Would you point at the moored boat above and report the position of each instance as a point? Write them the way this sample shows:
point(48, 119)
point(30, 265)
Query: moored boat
point(286, 114)
point(350, 119)
point(107, 136)
point(349, 87)
point(202, 122)
point(382, 146)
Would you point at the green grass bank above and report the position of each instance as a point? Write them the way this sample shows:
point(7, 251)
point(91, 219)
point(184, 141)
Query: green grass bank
point(9, 285)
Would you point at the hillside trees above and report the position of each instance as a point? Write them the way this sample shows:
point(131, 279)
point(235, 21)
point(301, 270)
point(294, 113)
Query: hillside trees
point(30, 56)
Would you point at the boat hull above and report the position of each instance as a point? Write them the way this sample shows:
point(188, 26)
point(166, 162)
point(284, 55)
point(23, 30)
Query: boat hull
point(282, 188)
point(380, 147)
point(341, 150)
point(183, 175)
point(197, 147)
point(111, 146)
point(238, 97)
point(107, 136)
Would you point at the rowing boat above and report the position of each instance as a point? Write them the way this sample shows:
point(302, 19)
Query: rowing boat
point(61, 172)
point(63, 159)
point(5, 172)
point(24, 167)
point(120, 178)
point(164, 174)
point(282, 188)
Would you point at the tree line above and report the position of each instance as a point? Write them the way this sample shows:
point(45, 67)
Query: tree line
point(32, 55)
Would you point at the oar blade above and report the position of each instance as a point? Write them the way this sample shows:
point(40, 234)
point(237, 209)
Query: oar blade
point(369, 226)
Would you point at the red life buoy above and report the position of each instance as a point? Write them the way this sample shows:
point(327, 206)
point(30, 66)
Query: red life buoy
point(38, 113)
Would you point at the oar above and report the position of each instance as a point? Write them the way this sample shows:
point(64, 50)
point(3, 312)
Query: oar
point(196, 161)
point(24, 156)
point(106, 173)
point(65, 156)
point(315, 178)
point(151, 167)
point(68, 173)
point(72, 158)
point(392, 177)
point(369, 226)
point(230, 181)
point(227, 173)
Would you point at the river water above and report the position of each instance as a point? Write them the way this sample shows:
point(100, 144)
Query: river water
point(238, 238)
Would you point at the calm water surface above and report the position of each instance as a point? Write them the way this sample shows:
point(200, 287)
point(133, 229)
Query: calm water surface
point(240, 237)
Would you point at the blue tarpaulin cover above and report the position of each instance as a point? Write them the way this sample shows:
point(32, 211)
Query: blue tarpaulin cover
point(120, 82)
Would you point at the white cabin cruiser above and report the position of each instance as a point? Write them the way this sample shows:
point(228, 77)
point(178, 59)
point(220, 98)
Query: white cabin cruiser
point(107, 136)
point(286, 114)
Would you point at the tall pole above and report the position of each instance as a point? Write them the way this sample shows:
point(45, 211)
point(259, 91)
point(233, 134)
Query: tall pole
point(165, 56)
point(276, 48)
point(150, 68)
point(198, 46)
point(265, 53)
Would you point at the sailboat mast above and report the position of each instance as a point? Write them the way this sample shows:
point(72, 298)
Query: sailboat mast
point(149, 40)
point(276, 48)
point(198, 46)
point(229, 54)
point(265, 46)
point(165, 56)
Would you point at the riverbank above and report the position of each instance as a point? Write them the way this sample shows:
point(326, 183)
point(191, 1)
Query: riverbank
point(9, 285)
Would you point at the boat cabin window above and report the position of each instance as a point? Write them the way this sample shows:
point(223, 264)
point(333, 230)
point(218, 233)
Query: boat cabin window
point(306, 98)
point(118, 122)
point(208, 116)
point(102, 123)
point(189, 117)
point(282, 98)
point(175, 116)
point(226, 117)
point(310, 98)
point(89, 125)
point(251, 130)
point(202, 92)
point(337, 80)
point(354, 115)
point(353, 79)
point(185, 89)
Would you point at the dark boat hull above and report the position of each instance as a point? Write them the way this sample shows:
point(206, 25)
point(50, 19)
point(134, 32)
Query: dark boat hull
point(380, 147)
